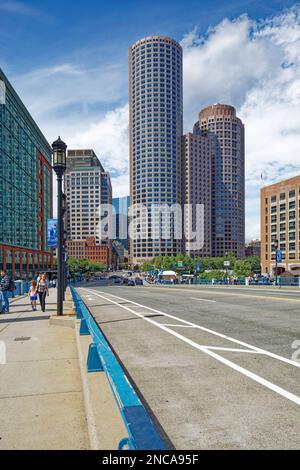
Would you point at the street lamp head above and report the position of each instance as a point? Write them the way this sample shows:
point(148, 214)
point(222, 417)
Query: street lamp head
point(59, 156)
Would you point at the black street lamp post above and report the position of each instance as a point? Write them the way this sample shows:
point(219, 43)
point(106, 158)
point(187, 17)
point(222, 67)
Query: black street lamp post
point(276, 249)
point(59, 166)
point(64, 209)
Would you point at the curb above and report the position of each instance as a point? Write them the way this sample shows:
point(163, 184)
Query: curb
point(142, 433)
point(104, 422)
point(90, 416)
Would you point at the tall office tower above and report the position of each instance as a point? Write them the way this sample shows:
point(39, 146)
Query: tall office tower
point(87, 187)
point(25, 188)
point(197, 154)
point(228, 178)
point(155, 70)
point(121, 206)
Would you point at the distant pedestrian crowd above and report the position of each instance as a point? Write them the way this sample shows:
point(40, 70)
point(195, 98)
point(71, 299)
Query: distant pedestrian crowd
point(38, 290)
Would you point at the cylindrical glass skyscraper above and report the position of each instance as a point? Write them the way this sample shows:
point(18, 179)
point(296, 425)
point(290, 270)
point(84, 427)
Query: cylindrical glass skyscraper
point(155, 75)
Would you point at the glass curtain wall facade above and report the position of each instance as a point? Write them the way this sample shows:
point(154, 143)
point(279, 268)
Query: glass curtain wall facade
point(25, 188)
point(155, 76)
point(121, 207)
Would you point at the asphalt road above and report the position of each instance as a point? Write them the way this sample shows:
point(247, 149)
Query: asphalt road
point(217, 366)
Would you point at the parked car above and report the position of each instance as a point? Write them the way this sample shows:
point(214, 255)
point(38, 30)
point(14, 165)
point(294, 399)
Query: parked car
point(138, 281)
point(131, 282)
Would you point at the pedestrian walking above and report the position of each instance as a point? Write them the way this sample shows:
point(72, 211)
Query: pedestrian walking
point(42, 290)
point(6, 286)
point(33, 294)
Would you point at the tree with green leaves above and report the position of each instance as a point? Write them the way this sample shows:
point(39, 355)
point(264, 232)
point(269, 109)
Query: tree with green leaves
point(242, 268)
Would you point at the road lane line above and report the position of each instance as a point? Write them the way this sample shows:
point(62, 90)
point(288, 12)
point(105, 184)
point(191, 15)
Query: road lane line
point(218, 348)
point(266, 383)
point(220, 335)
point(204, 300)
point(212, 291)
point(178, 326)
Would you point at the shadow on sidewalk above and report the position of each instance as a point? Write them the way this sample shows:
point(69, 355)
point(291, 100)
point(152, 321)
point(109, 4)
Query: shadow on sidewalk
point(21, 319)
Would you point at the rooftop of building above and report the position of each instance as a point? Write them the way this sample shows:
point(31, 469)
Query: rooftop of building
point(294, 181)
point(82, 159)
point(156, 38)
point(217, 108)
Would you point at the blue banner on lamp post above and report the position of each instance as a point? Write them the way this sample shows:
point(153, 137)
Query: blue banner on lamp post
point(52, 233)
point(279, 256)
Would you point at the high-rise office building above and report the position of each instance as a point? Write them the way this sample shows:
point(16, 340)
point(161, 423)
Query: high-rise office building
point(228, 178)
point(25, 188)
point(280, 216)
point(197, 155)
point(155, 72)
point(121, 207)
point(87, 187)
point(253, 248)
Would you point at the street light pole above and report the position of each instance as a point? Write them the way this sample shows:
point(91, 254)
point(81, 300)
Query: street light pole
point(276, 248)
point(64, 208)
point(59, 166)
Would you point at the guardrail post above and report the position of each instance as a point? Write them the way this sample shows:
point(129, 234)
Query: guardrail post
point(84, 330)
point(124, 442)
point(94, 363)
point(78, 311)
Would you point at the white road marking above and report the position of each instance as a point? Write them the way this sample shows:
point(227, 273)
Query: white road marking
point(220, 335)
point(236, 289)
point(204, 300)
point(272, 291)
point(178, 326)
point(266, 383)
point(218, 348)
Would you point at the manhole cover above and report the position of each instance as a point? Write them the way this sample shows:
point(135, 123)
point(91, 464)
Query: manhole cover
point(23, 338)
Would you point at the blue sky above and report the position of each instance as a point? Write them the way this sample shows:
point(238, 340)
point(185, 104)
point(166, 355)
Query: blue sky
point(38, 33)
point(68, 61)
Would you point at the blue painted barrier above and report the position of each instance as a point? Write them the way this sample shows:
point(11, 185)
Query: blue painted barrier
point(143, 434)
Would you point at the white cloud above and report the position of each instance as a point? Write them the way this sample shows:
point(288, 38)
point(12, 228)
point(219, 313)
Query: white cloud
point(224, 64)
point(70, 88)
point(254, 66)
point(109, 139)
point(15, 7)
point(19, 8)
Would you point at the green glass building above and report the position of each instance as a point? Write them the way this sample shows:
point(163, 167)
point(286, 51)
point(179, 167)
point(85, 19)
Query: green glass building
point(25, 188)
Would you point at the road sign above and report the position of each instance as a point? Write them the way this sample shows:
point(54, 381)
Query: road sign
point(227, 263)
point(180, 264)
point(198, 266)
point(52, 233)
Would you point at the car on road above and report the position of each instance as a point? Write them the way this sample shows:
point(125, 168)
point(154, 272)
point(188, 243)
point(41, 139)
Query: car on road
point(138, 281)
point(131, 282)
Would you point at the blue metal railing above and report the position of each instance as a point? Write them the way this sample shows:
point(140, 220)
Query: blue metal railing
point(21, 289)
point(143, 434)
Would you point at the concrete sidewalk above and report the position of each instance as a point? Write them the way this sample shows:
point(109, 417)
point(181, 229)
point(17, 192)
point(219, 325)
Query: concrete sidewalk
point(41, 398)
